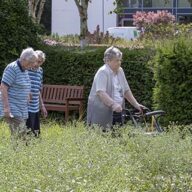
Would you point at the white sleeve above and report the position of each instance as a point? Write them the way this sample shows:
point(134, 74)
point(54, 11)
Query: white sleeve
point(101, 81)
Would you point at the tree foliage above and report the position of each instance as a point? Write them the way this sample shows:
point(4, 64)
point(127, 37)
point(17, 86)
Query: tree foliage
point(147, 19)
point(17, 30)
point(155, 24)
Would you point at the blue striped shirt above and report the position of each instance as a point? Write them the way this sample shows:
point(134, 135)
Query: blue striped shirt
point(19, 87)
point(36, 85)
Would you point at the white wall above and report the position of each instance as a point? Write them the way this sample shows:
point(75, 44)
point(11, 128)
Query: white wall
point(65, 16)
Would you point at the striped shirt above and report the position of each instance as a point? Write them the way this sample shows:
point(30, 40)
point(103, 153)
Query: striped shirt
point(19, 87)
point(36, 85)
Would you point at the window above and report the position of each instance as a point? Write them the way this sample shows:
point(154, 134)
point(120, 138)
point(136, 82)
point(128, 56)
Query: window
point(147, 3)
point(127, 22)
point(158, 3)
point(133, 3)
point(184, 3)
point(185, 19)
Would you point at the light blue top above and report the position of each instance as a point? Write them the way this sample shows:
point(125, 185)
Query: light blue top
point(36, 85)
point(19, 87)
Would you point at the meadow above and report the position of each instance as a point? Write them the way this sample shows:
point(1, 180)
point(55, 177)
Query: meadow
point(74, 158)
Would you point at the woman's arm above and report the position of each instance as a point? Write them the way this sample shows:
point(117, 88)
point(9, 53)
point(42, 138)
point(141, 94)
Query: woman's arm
point(42, 106)
point(131, 99)
point(107, 100)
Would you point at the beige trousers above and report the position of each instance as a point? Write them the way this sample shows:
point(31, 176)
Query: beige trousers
point(17, 126)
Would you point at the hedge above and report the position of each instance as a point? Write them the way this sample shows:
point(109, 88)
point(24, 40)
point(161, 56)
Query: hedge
point(77, 67)
point(173, 75)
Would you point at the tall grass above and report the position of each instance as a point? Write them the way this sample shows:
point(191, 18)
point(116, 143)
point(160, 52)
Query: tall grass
point(74, 158)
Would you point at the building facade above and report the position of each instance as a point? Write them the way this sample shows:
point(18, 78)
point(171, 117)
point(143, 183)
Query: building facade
point(66, 20)
point(182, 9)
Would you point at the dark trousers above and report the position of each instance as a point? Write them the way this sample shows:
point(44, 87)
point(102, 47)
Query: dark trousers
point(117, 123)
point(117, 118)
point(33, 123)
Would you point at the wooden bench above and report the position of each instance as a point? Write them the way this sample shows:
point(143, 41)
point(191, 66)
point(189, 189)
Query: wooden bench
point(63, 98)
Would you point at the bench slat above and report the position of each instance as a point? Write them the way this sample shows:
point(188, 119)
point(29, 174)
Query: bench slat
point(55, 107)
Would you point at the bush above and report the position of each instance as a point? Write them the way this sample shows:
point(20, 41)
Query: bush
point(75, 67)
point(17, 31)
point(155, 25)
point(173, 74)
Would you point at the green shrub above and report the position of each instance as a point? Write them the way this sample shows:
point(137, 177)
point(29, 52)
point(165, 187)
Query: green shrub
point(17, 31)
point(173, 75)
point(75, 67)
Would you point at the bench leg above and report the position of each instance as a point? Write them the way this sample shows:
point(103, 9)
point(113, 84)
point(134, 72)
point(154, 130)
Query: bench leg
point(80, 112)
point(66, 115)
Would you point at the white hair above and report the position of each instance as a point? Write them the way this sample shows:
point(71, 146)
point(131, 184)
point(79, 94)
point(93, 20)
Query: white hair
point(111, 53)
point(40, 54)
point(28, 54)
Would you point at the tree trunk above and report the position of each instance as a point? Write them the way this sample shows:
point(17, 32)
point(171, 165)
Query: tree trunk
point(83, 25)
point(82, 8)
point(35, 8)
point(40, 11)
point(83, 29)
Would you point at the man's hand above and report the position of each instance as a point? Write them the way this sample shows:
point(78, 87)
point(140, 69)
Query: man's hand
point(5, 100)
point(6, 112)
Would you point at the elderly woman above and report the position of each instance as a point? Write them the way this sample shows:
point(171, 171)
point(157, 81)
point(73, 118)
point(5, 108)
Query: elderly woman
point(36, 102)
point(109, 88)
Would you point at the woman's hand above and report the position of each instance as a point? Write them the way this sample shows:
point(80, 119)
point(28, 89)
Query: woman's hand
point(29, 97)
point(116, 107)
point(43, 111)
point(140, 107)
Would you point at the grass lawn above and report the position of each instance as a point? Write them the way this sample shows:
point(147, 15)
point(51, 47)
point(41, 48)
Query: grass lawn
point(73, 158)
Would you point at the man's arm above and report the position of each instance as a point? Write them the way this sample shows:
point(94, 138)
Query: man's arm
point(6, 107)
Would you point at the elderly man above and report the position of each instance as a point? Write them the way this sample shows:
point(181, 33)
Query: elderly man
point(15, 90)
point(109, 89)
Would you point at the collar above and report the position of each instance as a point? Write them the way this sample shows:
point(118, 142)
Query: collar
point(35, 70)
point(19, 64)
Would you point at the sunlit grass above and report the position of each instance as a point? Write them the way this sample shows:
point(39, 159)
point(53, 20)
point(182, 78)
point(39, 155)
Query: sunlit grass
point(74, 158)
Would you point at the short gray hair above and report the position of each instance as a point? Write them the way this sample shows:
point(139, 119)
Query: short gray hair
point(41, 54)
point(111, 53)
point(28, 54)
